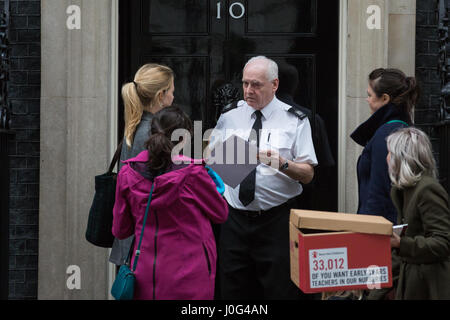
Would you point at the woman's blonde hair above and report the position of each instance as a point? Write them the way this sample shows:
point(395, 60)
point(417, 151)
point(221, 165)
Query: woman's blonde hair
point(411, 157)
point(144, 91)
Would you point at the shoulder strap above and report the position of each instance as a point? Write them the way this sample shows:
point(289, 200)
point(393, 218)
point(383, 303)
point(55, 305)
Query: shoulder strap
point(398, 121)
point(230, 107)
point(297, 113)
point(138, 250)
point(115, 158)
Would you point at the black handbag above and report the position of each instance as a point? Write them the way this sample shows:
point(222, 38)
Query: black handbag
point(99, 227)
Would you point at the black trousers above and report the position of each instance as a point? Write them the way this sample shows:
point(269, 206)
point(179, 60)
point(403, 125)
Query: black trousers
point(254, 258)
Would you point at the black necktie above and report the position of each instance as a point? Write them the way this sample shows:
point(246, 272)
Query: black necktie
point(247, 188)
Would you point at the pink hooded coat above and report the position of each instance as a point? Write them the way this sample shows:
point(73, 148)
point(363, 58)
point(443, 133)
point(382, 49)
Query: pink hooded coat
point(178, 250)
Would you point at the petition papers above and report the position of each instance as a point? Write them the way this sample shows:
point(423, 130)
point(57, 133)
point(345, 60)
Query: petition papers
point(233, 160)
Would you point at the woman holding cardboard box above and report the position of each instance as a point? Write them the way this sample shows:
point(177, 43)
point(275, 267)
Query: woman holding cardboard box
point(422, 204)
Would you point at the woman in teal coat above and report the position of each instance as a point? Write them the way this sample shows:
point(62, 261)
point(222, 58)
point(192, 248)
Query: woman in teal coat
point(422, 204)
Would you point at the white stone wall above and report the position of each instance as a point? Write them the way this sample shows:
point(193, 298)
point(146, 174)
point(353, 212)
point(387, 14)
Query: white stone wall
point(76, 143)
point(393, 45)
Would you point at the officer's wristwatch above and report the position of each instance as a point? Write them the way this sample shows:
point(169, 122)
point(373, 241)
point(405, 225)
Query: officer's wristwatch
point(284, 166)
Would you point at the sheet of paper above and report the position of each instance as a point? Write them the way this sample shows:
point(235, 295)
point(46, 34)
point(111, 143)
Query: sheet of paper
point(233, 160)
point(400, 229)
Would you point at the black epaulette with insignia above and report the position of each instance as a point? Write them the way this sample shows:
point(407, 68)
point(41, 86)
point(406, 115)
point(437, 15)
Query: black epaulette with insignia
point(297, 113)
point(230, 107)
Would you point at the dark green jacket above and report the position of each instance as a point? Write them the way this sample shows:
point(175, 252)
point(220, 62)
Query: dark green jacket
point(425, 248)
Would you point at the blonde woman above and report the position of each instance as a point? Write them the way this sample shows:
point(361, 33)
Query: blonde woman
point(423, 204)
point(151, 90)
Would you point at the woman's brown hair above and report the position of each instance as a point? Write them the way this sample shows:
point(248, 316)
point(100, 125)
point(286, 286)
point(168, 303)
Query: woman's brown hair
point(402, 90)
point(160, 144)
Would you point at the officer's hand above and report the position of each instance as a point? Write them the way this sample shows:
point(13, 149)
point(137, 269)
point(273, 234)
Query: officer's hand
point(270, 158)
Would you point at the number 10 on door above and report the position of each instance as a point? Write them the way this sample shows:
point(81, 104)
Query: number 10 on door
point(236, 10)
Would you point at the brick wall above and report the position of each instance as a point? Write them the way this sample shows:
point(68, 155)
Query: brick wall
point(427, 48)
point(24, 95)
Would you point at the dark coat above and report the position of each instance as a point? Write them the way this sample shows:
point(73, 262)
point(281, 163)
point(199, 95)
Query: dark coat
point(308, 199)
point(425, 247)
point(373, 177)
point(320, 136)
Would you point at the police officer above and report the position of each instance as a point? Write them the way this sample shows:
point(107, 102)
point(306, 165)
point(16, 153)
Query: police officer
point(254, 242)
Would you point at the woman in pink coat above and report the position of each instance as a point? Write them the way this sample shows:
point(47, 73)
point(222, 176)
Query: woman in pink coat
point(178, 251)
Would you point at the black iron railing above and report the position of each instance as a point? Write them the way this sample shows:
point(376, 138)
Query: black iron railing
point(443, 123)
point(5, 136)
point(4, 68)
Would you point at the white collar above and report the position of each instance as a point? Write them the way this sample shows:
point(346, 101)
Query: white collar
point(268, 109)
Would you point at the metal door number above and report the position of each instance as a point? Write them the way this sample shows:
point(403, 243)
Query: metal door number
point(240, 8)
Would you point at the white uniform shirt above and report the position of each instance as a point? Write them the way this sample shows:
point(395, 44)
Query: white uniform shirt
point(281, 130)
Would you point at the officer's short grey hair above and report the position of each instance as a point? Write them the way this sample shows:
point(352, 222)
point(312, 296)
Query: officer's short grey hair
point(272, 67)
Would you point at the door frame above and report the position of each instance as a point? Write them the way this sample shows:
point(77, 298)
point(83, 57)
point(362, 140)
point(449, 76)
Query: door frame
point(342, 104)
point(114, 96)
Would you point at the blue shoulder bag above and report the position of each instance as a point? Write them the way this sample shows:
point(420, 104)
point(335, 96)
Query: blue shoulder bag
point(123, 286)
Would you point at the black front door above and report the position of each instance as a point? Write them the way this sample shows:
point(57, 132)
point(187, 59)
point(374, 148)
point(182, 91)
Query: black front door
point(207, 42)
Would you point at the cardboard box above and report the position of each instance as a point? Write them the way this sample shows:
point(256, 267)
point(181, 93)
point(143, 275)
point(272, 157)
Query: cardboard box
point(337, 251)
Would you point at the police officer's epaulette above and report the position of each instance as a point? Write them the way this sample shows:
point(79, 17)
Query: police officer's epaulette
point(230, 107)
point(297, 113)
